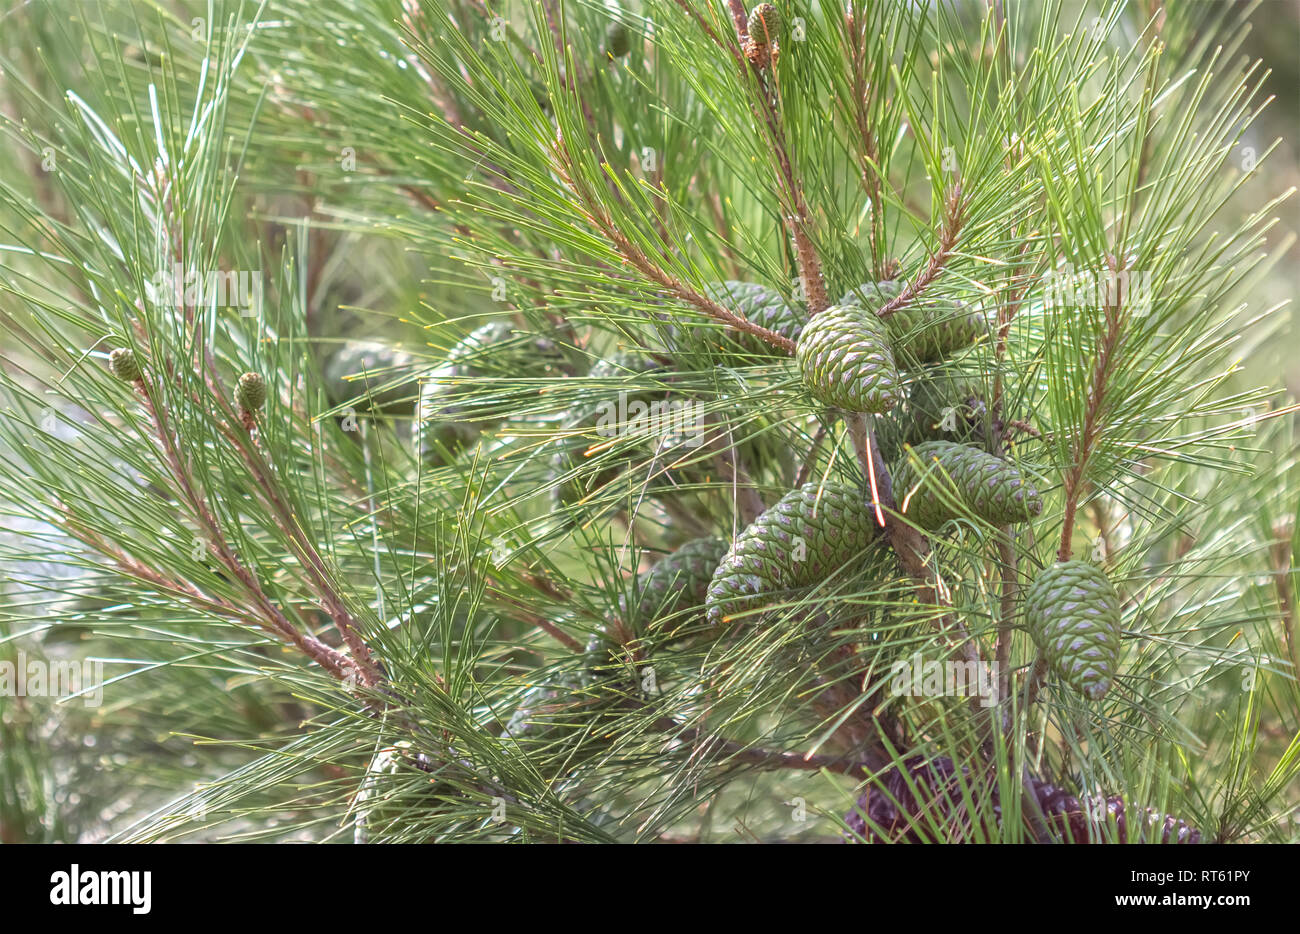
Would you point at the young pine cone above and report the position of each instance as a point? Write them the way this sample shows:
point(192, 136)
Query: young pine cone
point(935, 481)
point(618, 40)
point(922, 332)
point(1073, 615)
point(373, 373)
point(123, 364)
point(763, 45)
point(806, 537)
point(250, 392)
point(846, 362)
point(677, 582)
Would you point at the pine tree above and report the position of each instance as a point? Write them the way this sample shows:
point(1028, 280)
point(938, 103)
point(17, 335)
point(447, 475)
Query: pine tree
point(393, 391)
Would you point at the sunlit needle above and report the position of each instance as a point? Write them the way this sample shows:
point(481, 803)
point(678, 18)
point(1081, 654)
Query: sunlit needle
point(871, 473)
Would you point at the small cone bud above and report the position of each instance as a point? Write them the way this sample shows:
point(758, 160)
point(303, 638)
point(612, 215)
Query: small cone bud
point(765, 24)
point(618, 41)
point(124, 365)
point(762, 46)
point(250, 392)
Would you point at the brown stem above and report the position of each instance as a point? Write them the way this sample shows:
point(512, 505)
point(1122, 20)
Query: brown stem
point(911, 547)
point(1085, 442)
point(273, 620)
point(953, 218)
point(601, 219)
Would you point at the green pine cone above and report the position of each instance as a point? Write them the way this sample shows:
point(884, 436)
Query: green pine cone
point(807, 536)
point(988, 487)
point(1073, 614)
point(946, 406)
point(250, 392)
point(761, 305)
point(845, 360)
point(752, 301)
point(873, 295)
point(924, 333)
point(935, 330)
point(372, 373)
point(678, 582)
point(123, 364)
point(444, 427)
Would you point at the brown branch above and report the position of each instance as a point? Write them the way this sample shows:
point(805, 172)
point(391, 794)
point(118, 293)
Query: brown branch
point(652, 271)
point(869, 151)
point(953, 218)
point(911, 547)
point(305, 550)
point(740, 17)
point(765, 109)
point(1085, 442)
point(273, 620)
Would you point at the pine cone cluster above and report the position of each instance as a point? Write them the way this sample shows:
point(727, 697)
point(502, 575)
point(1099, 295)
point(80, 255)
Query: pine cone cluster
point(806, 537)
point(939, 481)
point(1073, 615)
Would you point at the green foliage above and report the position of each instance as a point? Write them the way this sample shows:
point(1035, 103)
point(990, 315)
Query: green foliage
point(529, 293)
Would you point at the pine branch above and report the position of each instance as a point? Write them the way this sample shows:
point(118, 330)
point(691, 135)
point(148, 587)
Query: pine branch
point(949, 234)
point(1086, 441)
point(604, 223)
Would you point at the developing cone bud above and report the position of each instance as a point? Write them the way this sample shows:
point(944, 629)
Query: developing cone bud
point(1073, 614)
point(764, 34)
point(250, 392)
point(618, 41)
point(123, 364)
